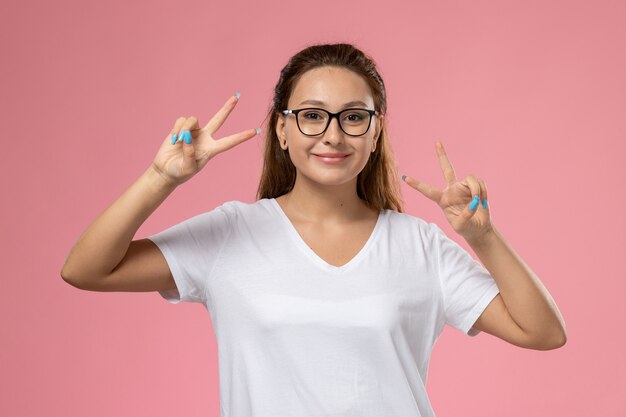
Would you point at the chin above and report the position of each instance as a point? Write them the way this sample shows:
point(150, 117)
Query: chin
point(330, 179)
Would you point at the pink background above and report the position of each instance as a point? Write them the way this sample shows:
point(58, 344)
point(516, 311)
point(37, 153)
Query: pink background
point(528, 95)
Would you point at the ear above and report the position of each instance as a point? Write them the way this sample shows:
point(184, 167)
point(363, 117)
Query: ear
point(280, 131)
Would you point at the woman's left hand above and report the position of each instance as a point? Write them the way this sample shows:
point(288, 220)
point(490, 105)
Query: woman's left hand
point(464, 203)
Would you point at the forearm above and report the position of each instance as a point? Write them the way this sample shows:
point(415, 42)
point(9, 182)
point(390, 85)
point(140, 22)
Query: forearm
point(105, 242)
point(529, 303)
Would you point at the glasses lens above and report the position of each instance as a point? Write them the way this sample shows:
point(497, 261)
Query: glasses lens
point(312, 122)
point(353, 121)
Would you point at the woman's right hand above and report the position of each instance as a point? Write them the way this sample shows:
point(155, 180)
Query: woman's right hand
point(177, 161)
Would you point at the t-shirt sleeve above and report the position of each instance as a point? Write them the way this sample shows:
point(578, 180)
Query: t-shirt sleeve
point(466, 285)
point(191, 249)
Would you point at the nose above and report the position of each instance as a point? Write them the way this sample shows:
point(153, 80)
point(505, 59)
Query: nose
point(333, 134)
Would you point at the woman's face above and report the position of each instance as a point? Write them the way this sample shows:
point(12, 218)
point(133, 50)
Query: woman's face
point(332, 89)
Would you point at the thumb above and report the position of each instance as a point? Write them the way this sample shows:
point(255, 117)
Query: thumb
point(189, 152)
point(471, 208)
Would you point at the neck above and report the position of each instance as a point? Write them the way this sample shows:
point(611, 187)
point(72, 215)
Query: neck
point(325, 203)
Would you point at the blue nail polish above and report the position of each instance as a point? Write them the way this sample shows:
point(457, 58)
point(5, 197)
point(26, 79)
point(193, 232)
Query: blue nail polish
point(187, 137)
point(174, 138)
point(474, 203)
point(485, 203)
point(181, 136)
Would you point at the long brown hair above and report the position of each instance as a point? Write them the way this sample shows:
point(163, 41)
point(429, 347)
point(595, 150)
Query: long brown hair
point(377, 183)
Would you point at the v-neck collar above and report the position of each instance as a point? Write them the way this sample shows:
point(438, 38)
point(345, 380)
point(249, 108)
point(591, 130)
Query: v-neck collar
point(293, 232)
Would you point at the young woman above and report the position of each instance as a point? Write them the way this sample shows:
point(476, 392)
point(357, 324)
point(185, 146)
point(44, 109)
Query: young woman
point(326, 299)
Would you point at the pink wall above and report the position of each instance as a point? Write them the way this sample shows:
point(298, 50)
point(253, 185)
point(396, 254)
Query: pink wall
point(529, 95)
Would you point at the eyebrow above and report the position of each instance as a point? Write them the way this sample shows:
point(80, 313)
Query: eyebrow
point(346, 105)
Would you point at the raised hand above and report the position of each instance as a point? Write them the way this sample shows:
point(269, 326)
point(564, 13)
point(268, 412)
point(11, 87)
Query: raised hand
point(188, 147)
point(460, 200)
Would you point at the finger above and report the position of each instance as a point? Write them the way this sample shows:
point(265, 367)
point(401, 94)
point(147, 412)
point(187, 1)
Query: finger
point(189, 152)
point(428, 190)
point(483, 191)
point(473, 184)
point(190, 124)
point(444, 162)
point(218, 119)
point(231, 141)
point(173, 136)
point(474, 187)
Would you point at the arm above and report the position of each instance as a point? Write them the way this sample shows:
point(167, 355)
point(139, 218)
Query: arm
point(105, 258)
point(523, 313)
point(102, 247)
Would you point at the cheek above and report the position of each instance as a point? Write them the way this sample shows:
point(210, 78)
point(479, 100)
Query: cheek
point(299, 149)
point(291, 135)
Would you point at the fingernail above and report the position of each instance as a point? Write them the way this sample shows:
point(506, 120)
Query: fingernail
point(187, 137)
point(258, 130)
point(174, 138)
point(474, 203)
point(404, 178)
point(237, 94)
point(181, 136)
point(485, 203)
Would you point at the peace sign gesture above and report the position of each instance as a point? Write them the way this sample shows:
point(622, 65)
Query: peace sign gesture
point(467, 216)
point(188, 147)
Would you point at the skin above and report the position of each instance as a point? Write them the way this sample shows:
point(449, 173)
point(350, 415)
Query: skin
point(523, 313)
point(327, 213)
point(105, 257)
point(323, 205)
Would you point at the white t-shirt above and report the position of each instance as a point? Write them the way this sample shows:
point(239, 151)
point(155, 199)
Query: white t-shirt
point(299, 337)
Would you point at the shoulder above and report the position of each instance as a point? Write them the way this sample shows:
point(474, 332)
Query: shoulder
point(248, 212)
point(404, 224)
point(411, 231)
point(410, 238)
point(244, 207)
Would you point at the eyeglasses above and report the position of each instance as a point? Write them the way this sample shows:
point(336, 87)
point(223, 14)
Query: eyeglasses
point(314, 121)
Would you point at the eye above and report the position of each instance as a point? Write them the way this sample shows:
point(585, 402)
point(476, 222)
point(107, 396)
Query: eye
point(313, 115)
point(354, 117)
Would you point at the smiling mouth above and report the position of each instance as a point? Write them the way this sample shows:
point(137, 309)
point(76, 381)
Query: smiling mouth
point(331, 159)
